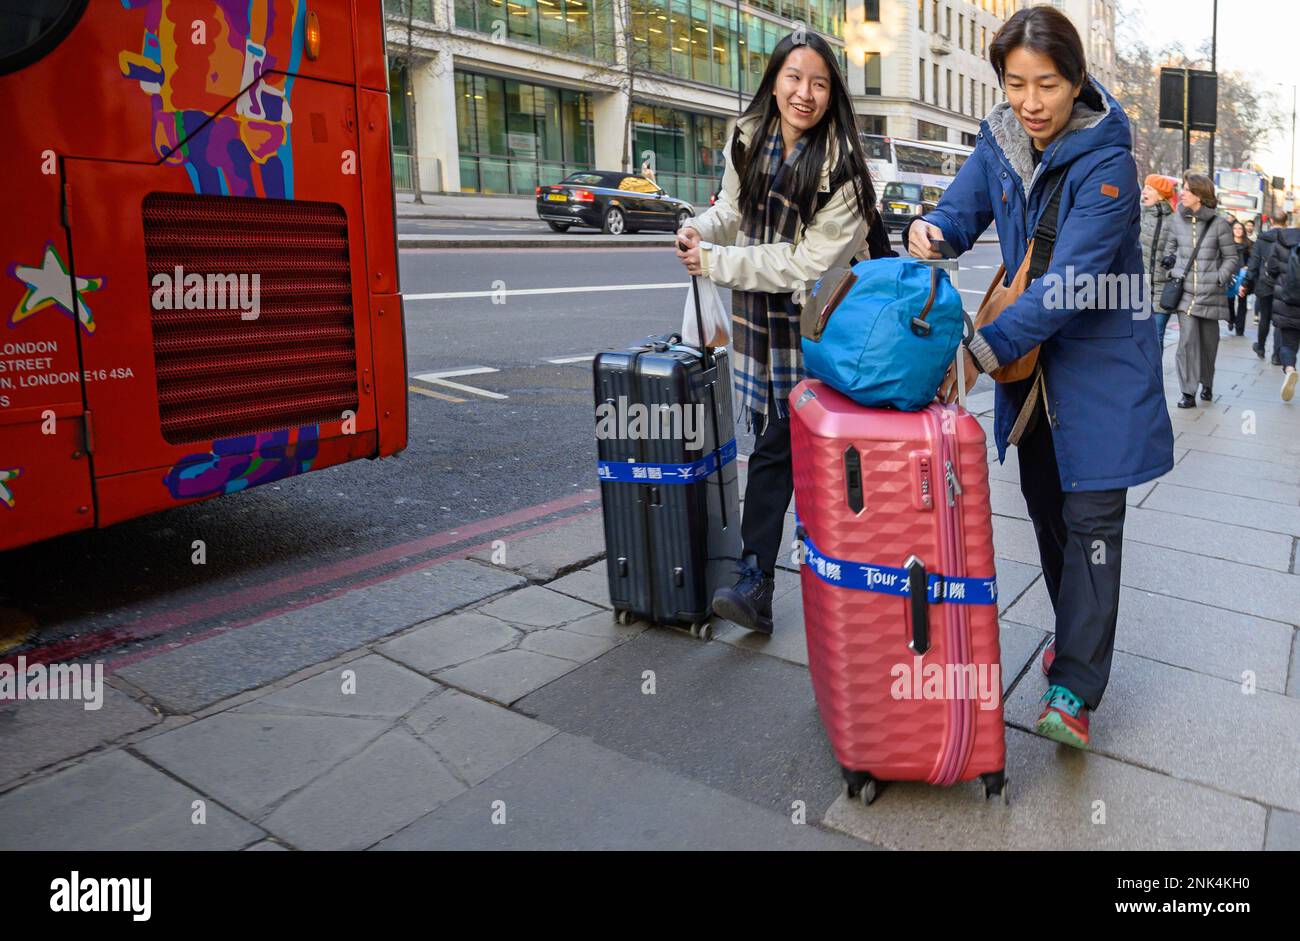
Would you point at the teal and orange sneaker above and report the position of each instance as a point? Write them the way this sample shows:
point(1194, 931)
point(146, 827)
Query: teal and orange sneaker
point(1065, 718)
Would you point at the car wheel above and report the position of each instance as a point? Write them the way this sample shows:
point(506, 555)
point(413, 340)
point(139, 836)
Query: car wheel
point(683, 217)
point(615, 223)
point(559, 226)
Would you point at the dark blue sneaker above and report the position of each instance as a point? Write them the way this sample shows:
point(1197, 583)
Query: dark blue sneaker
point(748, 602)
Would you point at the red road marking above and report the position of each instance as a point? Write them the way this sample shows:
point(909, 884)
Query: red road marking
point(128, 659)
point(161, 622)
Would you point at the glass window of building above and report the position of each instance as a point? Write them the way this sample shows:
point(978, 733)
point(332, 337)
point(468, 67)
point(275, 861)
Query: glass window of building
point(926, 130)
point(687, 148)
point(514, 135)
point(724, 46)
point(936, 82)
point(871, 73)
point(961, 97)
point(656, 28)
point(934, 16)
point(920, 14)
point(871, 11)
point(679, 24)
point(921, 84)
point(947, 100)
point(700, 51)
point(873, 124)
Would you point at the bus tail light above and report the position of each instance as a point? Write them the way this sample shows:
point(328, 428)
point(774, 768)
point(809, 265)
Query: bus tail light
point(313, 35)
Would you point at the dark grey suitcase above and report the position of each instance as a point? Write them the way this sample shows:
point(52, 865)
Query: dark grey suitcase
point(672, 515)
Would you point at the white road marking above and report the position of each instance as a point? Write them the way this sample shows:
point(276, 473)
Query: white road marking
point(440, 378)
point(454, 295)
point(572, 359)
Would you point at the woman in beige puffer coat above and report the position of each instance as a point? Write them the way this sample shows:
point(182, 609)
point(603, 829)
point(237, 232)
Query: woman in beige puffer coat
point(1204, 302)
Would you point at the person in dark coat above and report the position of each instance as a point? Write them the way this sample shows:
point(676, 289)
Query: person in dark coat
point(1099, 422)
point(1260, 283)
point(1284, 266)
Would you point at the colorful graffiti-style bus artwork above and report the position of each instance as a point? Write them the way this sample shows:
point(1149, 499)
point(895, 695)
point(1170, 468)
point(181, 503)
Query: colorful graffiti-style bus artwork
point(50, 286)
point(196, 58)
point(245, 461)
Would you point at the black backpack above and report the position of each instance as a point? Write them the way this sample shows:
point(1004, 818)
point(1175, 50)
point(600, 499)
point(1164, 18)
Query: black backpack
point(1287, 284)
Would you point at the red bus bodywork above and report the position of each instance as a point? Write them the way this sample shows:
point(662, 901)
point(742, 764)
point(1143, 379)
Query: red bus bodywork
point(165, 139)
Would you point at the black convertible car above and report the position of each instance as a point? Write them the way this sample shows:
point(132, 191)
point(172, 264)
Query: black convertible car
point(611, 201)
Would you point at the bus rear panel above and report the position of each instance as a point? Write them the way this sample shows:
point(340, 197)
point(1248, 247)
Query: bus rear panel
point(200, 268)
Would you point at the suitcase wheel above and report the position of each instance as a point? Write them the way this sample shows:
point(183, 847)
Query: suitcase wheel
point(703, 630)
point(995, 784)
point(860, 785)
point(622, 616)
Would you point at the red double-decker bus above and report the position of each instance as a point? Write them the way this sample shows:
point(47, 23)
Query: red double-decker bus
point(198, 260)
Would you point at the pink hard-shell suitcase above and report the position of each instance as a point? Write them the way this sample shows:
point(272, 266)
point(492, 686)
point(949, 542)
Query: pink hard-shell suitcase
point(892, 504)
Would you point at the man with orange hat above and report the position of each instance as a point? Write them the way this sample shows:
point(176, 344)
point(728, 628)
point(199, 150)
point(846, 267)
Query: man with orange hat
point(1158, 196)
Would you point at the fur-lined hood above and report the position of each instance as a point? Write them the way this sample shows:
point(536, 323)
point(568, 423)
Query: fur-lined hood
point(1088, 129)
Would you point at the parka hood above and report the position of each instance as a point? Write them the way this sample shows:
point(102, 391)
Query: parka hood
point(1088, 130)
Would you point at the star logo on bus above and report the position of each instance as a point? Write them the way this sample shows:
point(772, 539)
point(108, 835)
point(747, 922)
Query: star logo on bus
point(50, 285)
point(6, 475)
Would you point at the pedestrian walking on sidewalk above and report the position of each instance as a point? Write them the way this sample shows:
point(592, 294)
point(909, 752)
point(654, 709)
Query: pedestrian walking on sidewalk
point(1205, 259)
point(1158, 204)
point(1284, 266)
point(1260, 283)
point(1098, 420)
point(796, 199)
point(1237, 303)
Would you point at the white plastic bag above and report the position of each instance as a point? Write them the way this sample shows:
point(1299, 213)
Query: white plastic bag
point(717, 322)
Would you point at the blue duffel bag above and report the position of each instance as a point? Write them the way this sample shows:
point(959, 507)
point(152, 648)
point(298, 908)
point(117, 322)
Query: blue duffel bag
point(883, 333)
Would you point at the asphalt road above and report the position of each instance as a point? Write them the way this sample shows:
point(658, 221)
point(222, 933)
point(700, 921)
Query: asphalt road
point(471, 456)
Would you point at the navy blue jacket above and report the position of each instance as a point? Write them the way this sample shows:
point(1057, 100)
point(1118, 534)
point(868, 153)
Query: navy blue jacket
point(1101, 363)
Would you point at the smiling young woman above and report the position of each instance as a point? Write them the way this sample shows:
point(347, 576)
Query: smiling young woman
point(796, 200)
point(1095, 413)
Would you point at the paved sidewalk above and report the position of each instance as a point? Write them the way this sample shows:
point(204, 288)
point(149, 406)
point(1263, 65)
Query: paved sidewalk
point(482, 705)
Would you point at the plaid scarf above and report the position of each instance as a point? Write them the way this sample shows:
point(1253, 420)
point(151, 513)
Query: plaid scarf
point(765, 327)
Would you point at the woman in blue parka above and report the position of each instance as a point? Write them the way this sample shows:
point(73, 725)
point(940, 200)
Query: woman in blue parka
point(1099, 424)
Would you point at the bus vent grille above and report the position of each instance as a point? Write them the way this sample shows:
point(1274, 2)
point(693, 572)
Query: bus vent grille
point(221, 371)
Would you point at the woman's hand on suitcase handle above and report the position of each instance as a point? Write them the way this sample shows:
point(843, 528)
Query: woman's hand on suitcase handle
point(688, 249)
point(948, 388)
point(918, 239)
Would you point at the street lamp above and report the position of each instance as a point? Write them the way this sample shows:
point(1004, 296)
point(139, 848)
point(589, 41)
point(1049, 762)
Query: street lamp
point(1290, 177)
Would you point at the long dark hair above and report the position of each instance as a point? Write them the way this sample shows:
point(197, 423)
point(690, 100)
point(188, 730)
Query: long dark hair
point(1048, 32)
point(838, 124)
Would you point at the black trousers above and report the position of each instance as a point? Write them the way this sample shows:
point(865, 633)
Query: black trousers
point(1237, 315)
point(1080, 542)
point(768, 491)
point(1264, 305)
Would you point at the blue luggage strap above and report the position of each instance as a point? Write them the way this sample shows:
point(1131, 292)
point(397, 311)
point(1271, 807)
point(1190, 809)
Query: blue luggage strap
point(888, 580)
point(636, 472)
